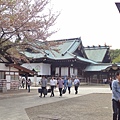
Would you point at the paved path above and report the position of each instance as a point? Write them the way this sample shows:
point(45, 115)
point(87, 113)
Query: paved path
point(13, 108)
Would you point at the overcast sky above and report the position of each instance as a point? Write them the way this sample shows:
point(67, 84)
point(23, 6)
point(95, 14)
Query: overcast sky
point(96, 21)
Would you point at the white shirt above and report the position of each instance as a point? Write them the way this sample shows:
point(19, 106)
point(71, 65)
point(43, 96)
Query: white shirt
point(52, 82)
point(76, 81)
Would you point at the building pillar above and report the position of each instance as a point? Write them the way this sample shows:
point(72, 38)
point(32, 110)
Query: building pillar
point(69, 71)
point(35, 79)
point(59, 71)
point(26, 77)
point(8, 81)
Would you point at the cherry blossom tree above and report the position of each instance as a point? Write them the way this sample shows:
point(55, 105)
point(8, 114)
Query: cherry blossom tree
point(23, 24)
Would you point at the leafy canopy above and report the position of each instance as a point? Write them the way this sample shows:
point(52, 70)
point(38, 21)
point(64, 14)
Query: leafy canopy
point(22, 23)
point(115, 55)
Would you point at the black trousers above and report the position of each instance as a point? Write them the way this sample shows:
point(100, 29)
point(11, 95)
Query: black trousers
point(76, 89)
point(42, 91)
point(28, 88)
point(23, 85)
point(116, 109)
point(52, 91)
point(69, 89)
point(60, 90)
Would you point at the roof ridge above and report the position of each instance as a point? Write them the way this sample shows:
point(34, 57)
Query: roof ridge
point(79, 38)
point(69, 48)
point(96, 47)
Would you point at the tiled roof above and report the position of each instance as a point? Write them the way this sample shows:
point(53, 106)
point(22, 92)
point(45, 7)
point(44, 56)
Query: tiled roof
point(67, 45)
point(96, 53)
point(86, 60)
point(63, 46)
point(98, 67)
point(66, 49)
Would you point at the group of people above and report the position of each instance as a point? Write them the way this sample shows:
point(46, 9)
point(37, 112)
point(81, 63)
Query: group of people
point(24, 82)
point(66, 83)
point(62, 83)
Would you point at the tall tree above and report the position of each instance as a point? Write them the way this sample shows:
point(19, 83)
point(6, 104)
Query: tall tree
point(23, 23)
point(115, 55)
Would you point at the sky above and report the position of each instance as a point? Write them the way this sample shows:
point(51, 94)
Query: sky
point(97, 22)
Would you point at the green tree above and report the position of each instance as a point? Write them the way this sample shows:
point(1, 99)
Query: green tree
point(115, 55)
point(116, 60)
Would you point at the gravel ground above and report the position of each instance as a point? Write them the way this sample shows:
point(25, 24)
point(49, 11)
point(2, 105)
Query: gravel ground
point(92, 107)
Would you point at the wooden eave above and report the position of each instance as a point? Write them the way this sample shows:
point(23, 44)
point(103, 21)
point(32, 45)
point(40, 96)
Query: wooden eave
point(43, 60)
point(20, 68)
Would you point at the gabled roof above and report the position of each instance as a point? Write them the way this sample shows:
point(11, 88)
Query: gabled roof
point(72, 56)
point(96, 53)
point(61, 45)
point(66, 48)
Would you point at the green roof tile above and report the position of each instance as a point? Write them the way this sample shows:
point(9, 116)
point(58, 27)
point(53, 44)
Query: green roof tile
point(98, 67)
point(96, 54)
point(66, 49)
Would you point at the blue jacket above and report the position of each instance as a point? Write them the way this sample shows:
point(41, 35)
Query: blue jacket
point(65, 82)
point(69, 83)
point(116, 90)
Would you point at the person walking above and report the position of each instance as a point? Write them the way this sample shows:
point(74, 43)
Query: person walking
point(29, 84)
point(69, 84)
point(60, 85)
point(65, 83)
point(52, 84)
point(23, 82)
point(55, 82)
point(76, 84)
point(116, 97)
point(43, 85)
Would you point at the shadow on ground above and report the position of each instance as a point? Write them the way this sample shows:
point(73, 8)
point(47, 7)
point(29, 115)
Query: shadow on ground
point(87, 107)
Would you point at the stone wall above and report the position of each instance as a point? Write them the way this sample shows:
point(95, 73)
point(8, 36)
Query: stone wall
point(3, 87)
point(14, 85)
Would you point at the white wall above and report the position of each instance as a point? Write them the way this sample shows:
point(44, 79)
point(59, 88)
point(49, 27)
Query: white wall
point(71, 72)
point(64, 71)
point(46, 69)
point(57, 71)
point(35, 81)
point(41, 68)
point(4, 68)
point(75, 71)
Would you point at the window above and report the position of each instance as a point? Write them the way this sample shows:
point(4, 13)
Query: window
point(2, 75)
point(14, 77)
